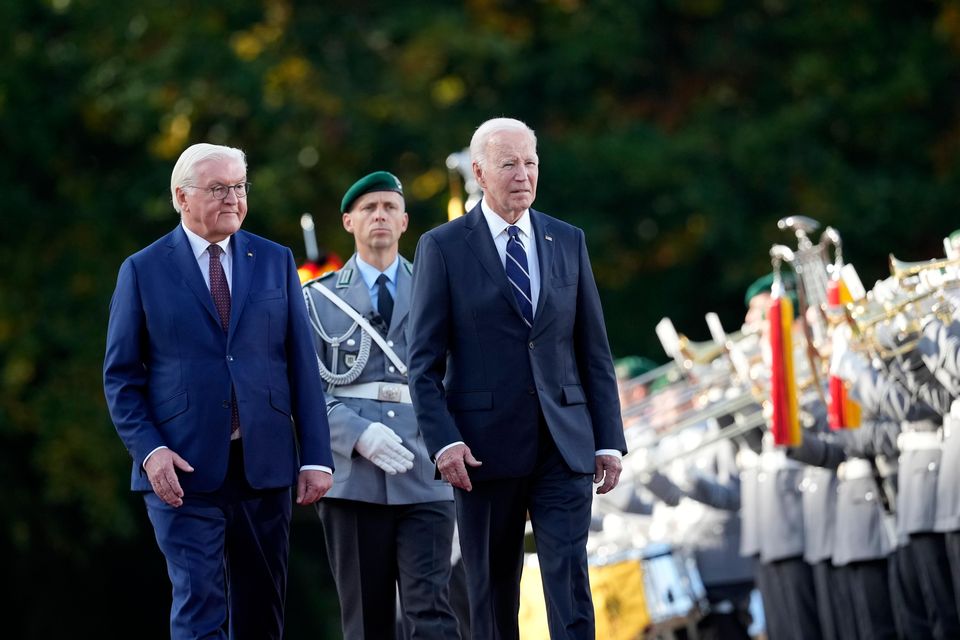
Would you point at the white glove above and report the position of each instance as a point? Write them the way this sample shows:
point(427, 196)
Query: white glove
point(382, 446)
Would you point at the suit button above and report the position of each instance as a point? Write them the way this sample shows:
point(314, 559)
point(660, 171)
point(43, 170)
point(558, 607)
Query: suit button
point(531, 391)
point(391, 369)
point(226, 404)
point(389, 343)
point(229, 358)
point(391, 413)
point(531, 345)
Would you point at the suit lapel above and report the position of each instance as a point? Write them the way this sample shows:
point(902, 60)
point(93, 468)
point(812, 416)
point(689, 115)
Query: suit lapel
point(402, 300)
point(546, 243)
point(244, 259)
point(181, 255)
point(481, 243)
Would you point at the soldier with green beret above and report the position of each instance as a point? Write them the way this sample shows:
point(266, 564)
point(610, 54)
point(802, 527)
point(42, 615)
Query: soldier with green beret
point(388, 522)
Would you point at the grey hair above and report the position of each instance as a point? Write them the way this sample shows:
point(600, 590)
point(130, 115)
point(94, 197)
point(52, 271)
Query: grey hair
point(183, 172)
point(490, 128)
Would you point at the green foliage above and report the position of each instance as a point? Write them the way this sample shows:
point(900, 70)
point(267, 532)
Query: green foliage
point(676, 132)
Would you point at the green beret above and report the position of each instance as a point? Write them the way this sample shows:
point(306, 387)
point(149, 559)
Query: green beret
point(762, 284)
point(632, 366)
point(765, 285)
point(376, 181)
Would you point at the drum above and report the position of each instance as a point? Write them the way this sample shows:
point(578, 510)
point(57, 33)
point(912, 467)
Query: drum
point(636, 593)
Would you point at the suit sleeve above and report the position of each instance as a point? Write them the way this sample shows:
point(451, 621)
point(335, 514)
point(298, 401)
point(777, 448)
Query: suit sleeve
point(309, 406)
point(594, 360)
point(125, 368)
point(428, 335)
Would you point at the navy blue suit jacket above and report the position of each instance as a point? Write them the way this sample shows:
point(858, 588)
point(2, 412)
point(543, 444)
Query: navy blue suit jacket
point(169, 367)
point(480, 375)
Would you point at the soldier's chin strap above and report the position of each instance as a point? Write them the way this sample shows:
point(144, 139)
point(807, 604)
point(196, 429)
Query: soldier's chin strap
point(365, 325)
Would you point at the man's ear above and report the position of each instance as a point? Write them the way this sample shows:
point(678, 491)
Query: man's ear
point(181, 196)
point(478, 173)
point(348, 222)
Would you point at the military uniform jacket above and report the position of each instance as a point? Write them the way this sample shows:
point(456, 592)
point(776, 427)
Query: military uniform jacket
point(356, 477)
point(940, 347)
point(781, 507)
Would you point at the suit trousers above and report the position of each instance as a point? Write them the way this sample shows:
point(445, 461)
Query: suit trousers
point(834, 603)
point(952, 542)
point(226, 554)
point(789, 600)
point(909, 611)
point(929, 555)
point(373, 549)
point(491, 520)
point(869, 588)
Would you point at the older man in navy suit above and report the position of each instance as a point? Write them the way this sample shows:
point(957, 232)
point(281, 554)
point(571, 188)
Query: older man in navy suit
point(211, 380)
point(514, 386)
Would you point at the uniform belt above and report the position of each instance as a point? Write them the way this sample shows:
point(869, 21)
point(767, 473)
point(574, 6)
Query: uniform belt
point(855, 469)
point(382, 391)
point(918, 440)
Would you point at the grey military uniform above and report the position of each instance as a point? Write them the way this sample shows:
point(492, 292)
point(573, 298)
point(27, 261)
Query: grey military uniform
point(382, 531)
point(357, 478)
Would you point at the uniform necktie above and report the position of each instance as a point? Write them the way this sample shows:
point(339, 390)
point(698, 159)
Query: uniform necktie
point(221, 299)
point(518, 273)
point(384, 299)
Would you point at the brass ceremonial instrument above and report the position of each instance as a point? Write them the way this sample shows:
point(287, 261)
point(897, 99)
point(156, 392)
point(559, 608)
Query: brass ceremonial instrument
point(935, 274)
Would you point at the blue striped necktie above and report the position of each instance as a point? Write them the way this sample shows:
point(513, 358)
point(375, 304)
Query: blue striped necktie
point(518, 274)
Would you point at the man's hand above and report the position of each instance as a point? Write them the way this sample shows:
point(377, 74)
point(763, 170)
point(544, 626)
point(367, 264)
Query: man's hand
point(382, 446)
point(452, 465)
point(161, 468)
point(312, 484)
point(607, 470)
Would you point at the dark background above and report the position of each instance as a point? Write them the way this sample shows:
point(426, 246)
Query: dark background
point(675, 132)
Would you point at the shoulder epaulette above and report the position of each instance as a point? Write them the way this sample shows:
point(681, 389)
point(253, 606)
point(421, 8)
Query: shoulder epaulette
point(346, 277)
point(320, 278)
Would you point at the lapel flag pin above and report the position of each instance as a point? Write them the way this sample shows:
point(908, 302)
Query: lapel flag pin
point(550, 238)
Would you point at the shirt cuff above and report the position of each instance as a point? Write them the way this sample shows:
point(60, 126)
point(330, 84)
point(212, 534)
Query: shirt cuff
point(316, 467)
point(163, 446)
point(609, 452)
point(452, 444)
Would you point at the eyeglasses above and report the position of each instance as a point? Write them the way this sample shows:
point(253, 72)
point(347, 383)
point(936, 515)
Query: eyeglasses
point(220, 191)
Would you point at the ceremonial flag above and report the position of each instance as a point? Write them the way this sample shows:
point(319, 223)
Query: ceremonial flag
point(842, 411)
point(785, 424)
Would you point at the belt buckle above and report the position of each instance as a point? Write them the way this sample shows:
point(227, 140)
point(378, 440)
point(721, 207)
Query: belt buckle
point(389, 392)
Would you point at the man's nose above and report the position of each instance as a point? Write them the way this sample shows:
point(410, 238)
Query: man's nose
point(231, 195)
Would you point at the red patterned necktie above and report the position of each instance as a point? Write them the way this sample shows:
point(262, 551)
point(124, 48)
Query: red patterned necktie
point(221, 299)
point(218, 286)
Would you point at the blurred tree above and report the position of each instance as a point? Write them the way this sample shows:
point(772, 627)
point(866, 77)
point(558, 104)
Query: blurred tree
point(675, 132)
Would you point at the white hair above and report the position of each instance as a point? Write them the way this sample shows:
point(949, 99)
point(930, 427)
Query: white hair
point(183, 172)
point(490, 128)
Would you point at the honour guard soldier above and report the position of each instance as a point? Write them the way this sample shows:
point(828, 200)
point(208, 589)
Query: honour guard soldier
point(388, 523)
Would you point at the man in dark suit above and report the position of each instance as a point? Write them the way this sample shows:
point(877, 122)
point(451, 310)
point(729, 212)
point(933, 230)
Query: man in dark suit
point(514, 386)
point(211, 380)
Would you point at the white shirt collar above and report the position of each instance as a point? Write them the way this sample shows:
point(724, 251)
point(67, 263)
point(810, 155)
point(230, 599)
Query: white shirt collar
point(498, 225)
point(199, 245)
